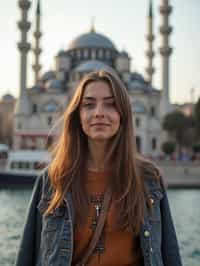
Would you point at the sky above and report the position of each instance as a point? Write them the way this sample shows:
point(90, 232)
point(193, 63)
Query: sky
point(124, 22)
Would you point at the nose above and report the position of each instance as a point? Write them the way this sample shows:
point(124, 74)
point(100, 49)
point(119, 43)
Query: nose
point(99, 112)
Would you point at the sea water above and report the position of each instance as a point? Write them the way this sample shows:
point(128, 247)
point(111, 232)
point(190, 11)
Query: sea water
point(184, 206)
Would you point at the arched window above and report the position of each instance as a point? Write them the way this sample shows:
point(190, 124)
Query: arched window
point(138, 107)
point(51, 107)
point(49, 120)
point(137, 122)
point(78, 54)
point(100, 54)
point(153, 143)
point(152, 111)
point(34, 108)
point(93, 54)
point(85, 53)
point(138, 143)
point(108, 54)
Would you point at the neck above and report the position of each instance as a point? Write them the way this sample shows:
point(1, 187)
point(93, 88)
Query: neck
point(97, 156)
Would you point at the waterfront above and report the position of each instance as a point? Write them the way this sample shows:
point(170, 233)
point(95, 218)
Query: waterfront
point(184, 205)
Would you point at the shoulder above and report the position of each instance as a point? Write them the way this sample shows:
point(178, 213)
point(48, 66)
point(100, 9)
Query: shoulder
point(150, 174)
point(45, 185)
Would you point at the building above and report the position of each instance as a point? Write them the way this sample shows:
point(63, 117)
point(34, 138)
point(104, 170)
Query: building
point(7, 106)
point(40, 107)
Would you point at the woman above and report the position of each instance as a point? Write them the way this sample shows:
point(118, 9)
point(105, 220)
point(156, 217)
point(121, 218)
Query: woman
point(99, 202)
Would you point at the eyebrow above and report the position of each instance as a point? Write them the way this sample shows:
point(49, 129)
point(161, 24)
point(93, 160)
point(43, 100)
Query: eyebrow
point(93, 99)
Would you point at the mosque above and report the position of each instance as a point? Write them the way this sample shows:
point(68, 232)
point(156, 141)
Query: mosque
point(38, 108)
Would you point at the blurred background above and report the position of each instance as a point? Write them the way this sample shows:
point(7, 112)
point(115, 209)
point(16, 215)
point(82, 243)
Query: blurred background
point(48, 46)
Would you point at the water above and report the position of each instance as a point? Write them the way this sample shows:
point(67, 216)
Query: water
point(184, 205)
point(13, 205)
point(186, 213)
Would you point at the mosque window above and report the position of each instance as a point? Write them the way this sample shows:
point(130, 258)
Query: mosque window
point(34, 108)
point(137, 122)
point(138, 143)
point(49, 120)
point(138, 107)
point(153, 143)
point(100, 54)
point(85, 53)
point(93, 54)
point(78, 54)
point(51, 107)
point(108, 55)
point(152, 111)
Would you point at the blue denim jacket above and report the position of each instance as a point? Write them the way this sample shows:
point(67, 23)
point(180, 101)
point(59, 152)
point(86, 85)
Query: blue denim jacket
point(49, 241)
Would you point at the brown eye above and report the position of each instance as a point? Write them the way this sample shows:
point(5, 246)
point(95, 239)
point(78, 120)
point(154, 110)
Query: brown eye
point(110, 104)
point(87, 105)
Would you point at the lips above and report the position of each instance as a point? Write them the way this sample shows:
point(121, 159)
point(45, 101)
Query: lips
point(99, 124)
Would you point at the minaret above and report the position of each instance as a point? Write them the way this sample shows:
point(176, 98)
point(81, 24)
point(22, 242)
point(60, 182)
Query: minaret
point(150, 38)
point(23, 45)
point(165, 51)
point(37, 50)
point(22, 107)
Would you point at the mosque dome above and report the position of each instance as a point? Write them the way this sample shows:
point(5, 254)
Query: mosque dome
point(138, 77)
point(8, 97)
point(48, 75)
point(137, 82)
point(53, 84)
point(92, 65)
point(93, 40)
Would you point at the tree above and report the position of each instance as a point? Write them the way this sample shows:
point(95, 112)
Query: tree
point(197, 118)
point(168, 147)
point(177, 125)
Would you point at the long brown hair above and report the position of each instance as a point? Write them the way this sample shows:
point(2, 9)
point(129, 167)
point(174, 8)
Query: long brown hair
point(69, 158)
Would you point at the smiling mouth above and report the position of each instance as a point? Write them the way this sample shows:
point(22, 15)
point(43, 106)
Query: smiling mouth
point(99, 124)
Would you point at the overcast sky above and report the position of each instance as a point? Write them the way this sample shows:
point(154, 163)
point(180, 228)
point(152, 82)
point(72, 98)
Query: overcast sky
point(124, 22)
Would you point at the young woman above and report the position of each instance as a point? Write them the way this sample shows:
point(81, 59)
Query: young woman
point(99, 202)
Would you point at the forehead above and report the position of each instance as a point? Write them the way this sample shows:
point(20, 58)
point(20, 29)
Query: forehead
point(97, 89)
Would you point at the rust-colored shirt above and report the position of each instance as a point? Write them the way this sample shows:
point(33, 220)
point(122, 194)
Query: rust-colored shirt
point(116, 247)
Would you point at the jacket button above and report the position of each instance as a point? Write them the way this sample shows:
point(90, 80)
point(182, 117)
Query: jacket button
point(146, 233)
point(152, 201)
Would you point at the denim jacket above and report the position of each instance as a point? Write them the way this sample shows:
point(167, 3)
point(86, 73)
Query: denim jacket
point(48, 240)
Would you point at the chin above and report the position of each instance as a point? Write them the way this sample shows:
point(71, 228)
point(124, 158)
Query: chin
point(99, 138)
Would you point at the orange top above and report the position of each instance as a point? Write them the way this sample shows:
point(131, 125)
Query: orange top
point(115, 247)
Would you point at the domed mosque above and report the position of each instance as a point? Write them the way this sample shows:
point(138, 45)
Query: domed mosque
point(46, 100)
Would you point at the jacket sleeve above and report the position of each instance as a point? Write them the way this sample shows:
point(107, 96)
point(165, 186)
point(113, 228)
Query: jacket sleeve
point(170, 249)
point(30, 241)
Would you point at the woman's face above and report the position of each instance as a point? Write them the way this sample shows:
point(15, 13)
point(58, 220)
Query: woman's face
point(99, 117)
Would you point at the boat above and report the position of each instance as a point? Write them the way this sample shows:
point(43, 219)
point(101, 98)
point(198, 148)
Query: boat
point(23, 166)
